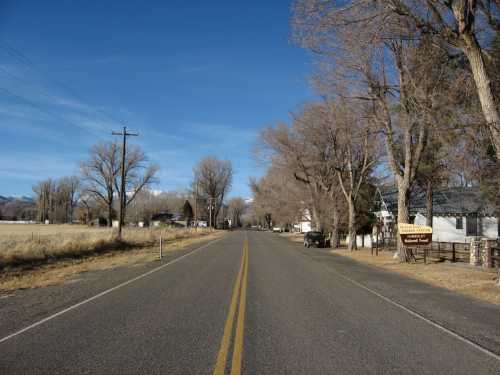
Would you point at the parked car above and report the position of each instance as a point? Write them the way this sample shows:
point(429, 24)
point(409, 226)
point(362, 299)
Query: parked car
point(315, 239)
point(277, 229)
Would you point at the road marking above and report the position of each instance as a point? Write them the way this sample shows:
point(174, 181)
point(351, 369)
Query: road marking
point(240, 327)
point(106, 292)
point(228, 327)
point(419, 316)
point(238, 300)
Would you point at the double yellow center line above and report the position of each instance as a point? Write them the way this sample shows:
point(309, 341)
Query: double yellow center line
point(238, 302)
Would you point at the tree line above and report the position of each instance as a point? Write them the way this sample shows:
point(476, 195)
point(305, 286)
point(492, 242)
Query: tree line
point(94, 192)
point(407, 93)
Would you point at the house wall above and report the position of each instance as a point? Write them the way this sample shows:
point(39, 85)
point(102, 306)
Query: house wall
point(444, 228)
point(490, 227)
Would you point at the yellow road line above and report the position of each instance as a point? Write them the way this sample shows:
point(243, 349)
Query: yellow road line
point(240, 326)
point(228, 328)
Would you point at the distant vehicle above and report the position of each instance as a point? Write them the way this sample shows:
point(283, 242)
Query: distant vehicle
point(277, 229)
point(315, 239)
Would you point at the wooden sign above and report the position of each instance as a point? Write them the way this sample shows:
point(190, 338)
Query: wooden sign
point(415, 235)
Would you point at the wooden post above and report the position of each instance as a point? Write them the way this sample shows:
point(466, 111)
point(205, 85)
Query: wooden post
point(161, 247)
point(453, 252)
point(439, 250)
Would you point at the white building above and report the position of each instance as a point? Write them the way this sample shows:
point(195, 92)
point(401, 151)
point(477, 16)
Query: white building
point(304, 225)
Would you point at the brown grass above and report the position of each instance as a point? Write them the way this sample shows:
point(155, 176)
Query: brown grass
point(68, 268)
point(459, 277)
point(19, 247)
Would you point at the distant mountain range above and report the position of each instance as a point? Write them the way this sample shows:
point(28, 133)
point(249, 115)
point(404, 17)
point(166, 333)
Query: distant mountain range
point(11, 199)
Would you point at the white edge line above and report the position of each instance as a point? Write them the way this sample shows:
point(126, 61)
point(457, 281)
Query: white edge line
point(417, 315)
point(44, 320)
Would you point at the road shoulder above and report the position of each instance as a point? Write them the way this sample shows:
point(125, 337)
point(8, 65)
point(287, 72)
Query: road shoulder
point(464, 315)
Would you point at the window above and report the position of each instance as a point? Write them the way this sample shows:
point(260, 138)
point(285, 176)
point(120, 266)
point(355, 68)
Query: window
point(459, 223)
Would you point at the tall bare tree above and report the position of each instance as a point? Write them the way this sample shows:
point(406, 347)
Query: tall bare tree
point(459, 26)
point(369, 53)
point(353, 157)
point(214, 178)
point(101, 174)
point(236, 208)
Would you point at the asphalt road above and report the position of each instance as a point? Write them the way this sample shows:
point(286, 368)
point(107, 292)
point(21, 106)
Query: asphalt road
point(253, 303)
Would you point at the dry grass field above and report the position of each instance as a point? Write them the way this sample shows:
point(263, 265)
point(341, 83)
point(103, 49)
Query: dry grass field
point(27, 230)
point(34, 256)
point(35, 244)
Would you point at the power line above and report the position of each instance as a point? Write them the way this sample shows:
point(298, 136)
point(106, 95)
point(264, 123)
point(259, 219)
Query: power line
point(26, 61)
point(44, 110)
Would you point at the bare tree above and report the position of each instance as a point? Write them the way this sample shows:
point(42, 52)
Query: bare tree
point(101, 174)
point(44, 192)
point(139, 174)
point(236, 210)
point(457, 26)
point(290, 150)
point(279, 197)
point(353, 155)
point(368, 53)
point(214, 178)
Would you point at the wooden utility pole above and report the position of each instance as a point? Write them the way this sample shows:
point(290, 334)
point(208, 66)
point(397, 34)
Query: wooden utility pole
point(123, 195)
point(196, 205)
point(211, 202)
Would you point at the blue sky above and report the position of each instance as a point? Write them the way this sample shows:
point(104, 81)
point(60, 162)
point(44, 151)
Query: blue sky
point(194, 78)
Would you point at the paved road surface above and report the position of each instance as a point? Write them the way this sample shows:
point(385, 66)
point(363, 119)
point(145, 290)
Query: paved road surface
point(254, 303)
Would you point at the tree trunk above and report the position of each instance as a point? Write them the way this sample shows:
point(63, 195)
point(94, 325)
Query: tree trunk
point(429, 204)
point(403, 213)
point(110, 215)
point(483, 85)
point(352, 225)
point(335, 228)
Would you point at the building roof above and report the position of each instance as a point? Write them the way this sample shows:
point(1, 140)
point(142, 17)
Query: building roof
point(447, 201)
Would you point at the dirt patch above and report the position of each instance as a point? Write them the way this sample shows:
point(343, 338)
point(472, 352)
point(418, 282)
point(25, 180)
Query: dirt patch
point(68, 269)
point(459, 277)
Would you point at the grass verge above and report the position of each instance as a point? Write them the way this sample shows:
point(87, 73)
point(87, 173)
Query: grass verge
point(96, 255)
